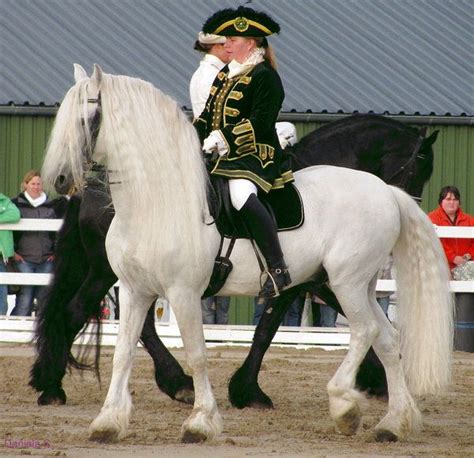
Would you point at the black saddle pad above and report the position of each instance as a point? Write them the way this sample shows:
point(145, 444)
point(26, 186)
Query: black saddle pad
point(284, 204)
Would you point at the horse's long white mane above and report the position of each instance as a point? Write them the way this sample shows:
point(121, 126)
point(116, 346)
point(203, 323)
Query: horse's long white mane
point(151, 148)
point(68, 137)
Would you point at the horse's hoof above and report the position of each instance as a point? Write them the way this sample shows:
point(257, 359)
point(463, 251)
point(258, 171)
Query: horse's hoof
point(192, 437)
point(262, 403)
point(52, 397)
point(384, 435)
point(349, 422)
point(104, 435)
point(248, 396)
point(185, 395)
point(259, 405)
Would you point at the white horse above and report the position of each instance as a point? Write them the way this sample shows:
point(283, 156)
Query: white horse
point(160, 245)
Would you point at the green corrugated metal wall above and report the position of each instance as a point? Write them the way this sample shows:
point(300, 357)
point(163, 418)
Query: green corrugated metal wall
point(22, 143)
point(453, 165)
point(23, 140)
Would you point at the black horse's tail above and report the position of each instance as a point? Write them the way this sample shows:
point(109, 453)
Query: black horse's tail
point(54, 331)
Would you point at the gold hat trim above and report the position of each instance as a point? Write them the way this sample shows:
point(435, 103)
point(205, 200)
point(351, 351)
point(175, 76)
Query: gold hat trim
point(250, 22)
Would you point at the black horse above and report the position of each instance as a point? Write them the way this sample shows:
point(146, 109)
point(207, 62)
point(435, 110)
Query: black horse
point(397, 153)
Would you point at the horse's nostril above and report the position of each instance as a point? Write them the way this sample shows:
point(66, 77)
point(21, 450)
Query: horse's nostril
point(62, 184)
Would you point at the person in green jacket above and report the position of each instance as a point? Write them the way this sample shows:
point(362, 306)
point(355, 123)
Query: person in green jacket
point(9, 213)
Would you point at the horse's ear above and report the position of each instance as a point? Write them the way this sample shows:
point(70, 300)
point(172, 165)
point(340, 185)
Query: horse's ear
point(96, 77)
point(79, 73)
point(423, 131)
point(432, 138)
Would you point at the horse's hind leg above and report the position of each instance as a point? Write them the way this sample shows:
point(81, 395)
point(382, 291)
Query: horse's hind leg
point(403, 416)
point(244, 390)
point(343, 398)
point(169, 375)
point(371, 374)
point(112, 422)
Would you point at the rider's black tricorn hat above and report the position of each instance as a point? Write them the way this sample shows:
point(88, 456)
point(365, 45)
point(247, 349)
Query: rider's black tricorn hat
point(244, 22)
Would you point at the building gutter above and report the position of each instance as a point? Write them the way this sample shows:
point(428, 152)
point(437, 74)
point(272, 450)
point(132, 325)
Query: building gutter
point(409, 119)
point(13, 110)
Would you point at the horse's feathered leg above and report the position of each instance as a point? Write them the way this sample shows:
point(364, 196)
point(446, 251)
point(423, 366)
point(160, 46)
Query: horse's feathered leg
point(403, 416)
point(94, 217)
point(205, 422)
point(169, 375)
point(85, 306)
point(425, 322)
point(371, 374)
point(78, 312)
point(343, 398)
point(244, 390)
point(52, 332)
point(112, 422)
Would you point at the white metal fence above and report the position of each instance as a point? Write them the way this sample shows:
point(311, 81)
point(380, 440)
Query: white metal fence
point(20, 329)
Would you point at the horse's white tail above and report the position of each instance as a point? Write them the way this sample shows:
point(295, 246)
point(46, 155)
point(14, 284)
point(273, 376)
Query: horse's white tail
point(426, 306)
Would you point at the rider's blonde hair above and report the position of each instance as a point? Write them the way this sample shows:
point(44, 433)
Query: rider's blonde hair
point(269, 52)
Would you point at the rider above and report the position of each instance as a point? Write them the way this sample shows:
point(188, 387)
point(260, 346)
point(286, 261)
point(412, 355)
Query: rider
point(238, 123)
point(215, 57)
point(215, 309)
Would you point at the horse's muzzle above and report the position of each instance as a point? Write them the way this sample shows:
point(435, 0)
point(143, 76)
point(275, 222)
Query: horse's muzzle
point(62, 184)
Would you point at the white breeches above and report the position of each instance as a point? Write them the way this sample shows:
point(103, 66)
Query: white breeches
point(240, 190)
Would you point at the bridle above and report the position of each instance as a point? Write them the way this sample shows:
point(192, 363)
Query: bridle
point(94, 127)
point(62, 184)
point(88, 150)
point(408, 165)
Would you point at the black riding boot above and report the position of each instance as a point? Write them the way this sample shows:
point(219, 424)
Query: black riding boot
point(263, 230)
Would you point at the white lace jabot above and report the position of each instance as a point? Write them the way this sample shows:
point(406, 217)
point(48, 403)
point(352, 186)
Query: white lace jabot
point(237, 68)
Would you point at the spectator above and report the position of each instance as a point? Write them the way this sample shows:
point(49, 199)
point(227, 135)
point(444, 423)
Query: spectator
point(34, 249)
point(295, 312)
point(292, 316)
point(323, 315)
point(449, 213)
point(383, 297)
point(259, 303)
point(9, 213)
point(215, 310)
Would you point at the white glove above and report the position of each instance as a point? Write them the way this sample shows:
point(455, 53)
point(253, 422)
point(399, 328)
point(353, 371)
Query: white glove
point(286, 141)
point(286, 132)
point(215, 143)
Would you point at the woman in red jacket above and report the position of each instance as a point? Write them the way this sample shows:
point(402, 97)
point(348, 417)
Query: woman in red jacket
point(449, 213)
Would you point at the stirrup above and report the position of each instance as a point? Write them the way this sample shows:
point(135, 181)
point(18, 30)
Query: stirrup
point(276, 280)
